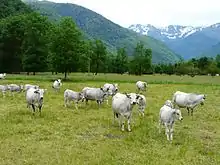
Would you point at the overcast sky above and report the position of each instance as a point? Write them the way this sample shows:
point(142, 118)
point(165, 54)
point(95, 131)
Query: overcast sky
point(155, 12)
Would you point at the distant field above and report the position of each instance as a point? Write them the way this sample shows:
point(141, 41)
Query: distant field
point(152, 79)
point(64, 136)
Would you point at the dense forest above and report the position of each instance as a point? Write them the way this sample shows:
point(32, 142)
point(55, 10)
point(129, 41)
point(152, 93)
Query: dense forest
point(30, 42)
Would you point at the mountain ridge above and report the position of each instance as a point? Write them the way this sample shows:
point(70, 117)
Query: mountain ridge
point(188, 41)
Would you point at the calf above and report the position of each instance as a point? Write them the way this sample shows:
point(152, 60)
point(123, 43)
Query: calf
point(111, 90)
point(122, 105)
point(57, 84)
point(167, 117)
point(141, 86)
point(188, 100)
point(34, 97)
point(70, 95)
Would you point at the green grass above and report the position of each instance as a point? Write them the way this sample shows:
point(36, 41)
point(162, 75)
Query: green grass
point(63, 136)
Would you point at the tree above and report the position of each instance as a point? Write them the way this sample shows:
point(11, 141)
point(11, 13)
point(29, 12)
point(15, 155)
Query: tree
point(121, 61)
point(99, 56)
point(66, 46)
point(35, 44)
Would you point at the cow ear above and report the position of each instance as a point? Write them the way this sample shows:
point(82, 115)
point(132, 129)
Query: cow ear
point(36, 92)
point(137, 96)
point(128, 96)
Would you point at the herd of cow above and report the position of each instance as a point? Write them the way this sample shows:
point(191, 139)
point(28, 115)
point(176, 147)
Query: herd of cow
point(122, 103)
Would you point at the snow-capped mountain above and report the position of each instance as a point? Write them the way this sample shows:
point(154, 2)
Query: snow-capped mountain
point(188, 41)
point(168, 32)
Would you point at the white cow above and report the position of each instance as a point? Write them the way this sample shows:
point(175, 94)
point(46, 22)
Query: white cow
point(188, 100)
point(141, 86)
point(122, 105)
point(111, 90)
point(57, 84)
point(4, 89)
point(15, 88)
point(2, 75)
point(142, 103)
point(167, 117)
point(97, 94)
point(70, 95)
point(28, 86)
point(34, 98)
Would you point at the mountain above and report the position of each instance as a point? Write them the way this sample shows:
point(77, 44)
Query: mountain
point(213, 51)
point(96, 26)
point(188, 41)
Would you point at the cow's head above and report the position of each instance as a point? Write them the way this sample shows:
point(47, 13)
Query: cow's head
point(203, 97)
point(133, 98)
point(40, 93)
point(178, 114)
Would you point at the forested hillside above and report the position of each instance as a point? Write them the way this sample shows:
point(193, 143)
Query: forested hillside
point(97, 27)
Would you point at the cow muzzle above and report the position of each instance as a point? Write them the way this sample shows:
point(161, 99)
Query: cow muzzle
point(202, 103)
point(41, 99)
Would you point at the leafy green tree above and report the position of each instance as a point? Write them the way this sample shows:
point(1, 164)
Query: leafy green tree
point(99, 56)
point(35, 44)
point(217, 59)
point(66, 46)
point(121, 61)
point(12, 31)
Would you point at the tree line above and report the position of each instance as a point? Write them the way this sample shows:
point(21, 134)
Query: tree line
point(32, 43)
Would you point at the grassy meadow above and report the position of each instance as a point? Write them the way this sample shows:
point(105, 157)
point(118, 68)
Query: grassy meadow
point(64, 136)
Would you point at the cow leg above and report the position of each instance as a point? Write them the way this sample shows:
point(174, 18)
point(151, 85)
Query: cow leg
point(123, 123)
point(86, 101)
point(76, 104)
point(129, 123)
point(65, 102)
point(171, 132)
point(167, 132)
point(33, 107)
point(188, 110)
point(40, 107)
point(191, 112)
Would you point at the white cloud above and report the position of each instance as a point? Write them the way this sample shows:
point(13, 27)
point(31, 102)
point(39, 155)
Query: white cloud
point(155, 12)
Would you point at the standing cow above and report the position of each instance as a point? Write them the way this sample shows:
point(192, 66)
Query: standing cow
point(167, 117)
point(28, 86)
point(15, 88)
point(141, 86)
point(110, 89)
point(34, 98)
point(57, 84)
point(95, 94)
point(122, 105)
point(188, 100)
point(70, 95)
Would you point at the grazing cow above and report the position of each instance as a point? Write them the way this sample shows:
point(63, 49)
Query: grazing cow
point(141, 86)
point(142, 103)
point(28, 86)
point(15, 88)
point(34, 97)
point(97, 94)
point(4, 89)
point(2, 75)
point(188, 100)
point(57, 84)
point(167, 117)
point(70, 95)
point(112, 90)
point(122, 105)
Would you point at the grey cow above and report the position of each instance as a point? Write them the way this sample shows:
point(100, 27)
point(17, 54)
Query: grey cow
point(110, 89)
point(95, 94)
point(15, 88)
point(70, 95)
point(167, 117)
point(122, 105)
point(188, 100)
point(142, 103)
point(34, 98)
